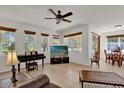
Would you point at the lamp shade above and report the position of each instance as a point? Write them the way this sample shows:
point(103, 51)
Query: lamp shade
point(12, 58)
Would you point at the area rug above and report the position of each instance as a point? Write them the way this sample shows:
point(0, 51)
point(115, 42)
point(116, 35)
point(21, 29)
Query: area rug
point(94, 85)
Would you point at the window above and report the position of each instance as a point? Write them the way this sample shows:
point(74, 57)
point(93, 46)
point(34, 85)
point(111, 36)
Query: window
point(113, 42)
point(55, 39)
point(29, 41)
point(122, 43)
point(73, 41)
point(44, 44)
point(7, 37)
point(95, 43)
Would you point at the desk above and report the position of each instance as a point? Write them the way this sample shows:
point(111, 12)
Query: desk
point(100, 77)
point(26, 58)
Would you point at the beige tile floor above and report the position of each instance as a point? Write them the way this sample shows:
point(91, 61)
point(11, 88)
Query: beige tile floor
point(67, 75)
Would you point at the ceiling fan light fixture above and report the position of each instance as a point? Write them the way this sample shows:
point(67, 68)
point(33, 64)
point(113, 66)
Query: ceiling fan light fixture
point(59, 17)
point(58, 21)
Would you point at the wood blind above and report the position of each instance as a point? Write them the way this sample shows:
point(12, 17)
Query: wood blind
point(55, 36)
point(29, 32)
point(7, 29)
point(74, 34)
point(95, 33)
point(122, 35)
point(44, 34)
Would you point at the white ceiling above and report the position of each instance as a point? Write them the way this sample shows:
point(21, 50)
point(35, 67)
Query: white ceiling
point(101, 17)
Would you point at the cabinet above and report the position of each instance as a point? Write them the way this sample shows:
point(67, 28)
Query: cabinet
point(59, 60)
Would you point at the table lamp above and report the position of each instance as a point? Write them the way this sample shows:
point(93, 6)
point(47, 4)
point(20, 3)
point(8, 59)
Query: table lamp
point(12, 60)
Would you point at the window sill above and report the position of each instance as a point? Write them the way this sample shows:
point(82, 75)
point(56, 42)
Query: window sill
point(75, 50)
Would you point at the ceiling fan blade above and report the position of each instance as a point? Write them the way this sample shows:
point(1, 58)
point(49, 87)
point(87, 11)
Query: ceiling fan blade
point(49, 18)
point(69, 21)
point(57, 22)
point(51, 10)
point(66, 15)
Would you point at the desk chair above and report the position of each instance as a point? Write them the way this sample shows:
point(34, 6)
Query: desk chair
point(32, 64)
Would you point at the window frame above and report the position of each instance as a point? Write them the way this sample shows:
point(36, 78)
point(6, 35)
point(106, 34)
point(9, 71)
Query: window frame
point(8, 30)
point(44, 35)
point(30, 33)
point(118, 42)
point(73, 35)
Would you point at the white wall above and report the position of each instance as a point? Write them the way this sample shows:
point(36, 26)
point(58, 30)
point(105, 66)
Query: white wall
point(20, 39)
point(76, 56)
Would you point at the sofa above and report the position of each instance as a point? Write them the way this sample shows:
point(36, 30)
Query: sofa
point(41, 81)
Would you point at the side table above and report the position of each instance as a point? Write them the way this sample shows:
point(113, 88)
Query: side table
point(7, 83)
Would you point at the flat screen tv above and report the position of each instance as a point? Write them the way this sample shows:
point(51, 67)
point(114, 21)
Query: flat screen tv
point(59, 51)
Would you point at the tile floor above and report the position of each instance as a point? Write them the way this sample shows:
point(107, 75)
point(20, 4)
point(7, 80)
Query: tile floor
point(67, 75)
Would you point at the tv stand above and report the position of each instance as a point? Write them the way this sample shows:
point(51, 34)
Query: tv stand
point(59, 60)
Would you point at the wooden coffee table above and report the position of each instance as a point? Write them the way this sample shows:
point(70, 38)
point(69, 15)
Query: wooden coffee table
point(100, 77)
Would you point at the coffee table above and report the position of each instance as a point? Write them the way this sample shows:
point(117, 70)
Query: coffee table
point(100, 77)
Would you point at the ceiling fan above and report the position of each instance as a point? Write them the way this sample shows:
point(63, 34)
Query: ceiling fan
point(60, 17)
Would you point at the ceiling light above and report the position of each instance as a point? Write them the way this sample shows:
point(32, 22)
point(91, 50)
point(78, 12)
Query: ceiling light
point(118, 26)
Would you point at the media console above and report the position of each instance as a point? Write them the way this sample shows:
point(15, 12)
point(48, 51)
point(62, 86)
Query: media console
point(59, 54)
point(59, 60)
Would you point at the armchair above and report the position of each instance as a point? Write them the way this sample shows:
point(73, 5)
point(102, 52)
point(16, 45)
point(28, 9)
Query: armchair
point(116, 57)
point(108, 56)
point(95, 58)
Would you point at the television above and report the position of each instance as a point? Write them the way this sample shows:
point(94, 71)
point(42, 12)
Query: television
point(59, 51)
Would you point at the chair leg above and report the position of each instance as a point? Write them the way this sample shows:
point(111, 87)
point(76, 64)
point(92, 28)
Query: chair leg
point(112, 63)
point(91, 63)
point(105, 60)
point(37, 66)
point(98, 64)
point(27, 69)
point(119, 63)
point(109, 60)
